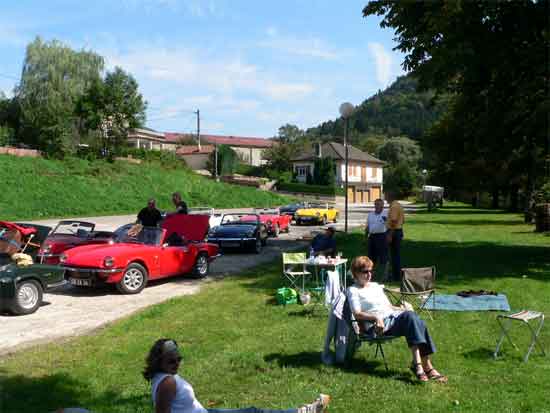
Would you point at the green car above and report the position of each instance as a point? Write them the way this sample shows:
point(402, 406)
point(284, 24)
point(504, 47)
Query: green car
point(21, 288)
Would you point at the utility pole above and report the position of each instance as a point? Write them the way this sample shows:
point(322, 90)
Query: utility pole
point(198, 113)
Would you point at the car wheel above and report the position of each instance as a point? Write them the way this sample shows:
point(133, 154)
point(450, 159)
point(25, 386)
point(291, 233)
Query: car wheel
point(288, 228)
point(277, 231)
point(28, 297)
point(133, 280)
point(258, 245)
point(335, 218)
point(324, 220)
point(200, 269)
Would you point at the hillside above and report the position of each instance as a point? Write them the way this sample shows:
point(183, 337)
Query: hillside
point(39, 188)
point(398, 110)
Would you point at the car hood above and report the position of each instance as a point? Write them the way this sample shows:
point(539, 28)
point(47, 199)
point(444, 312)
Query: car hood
point(232, 230)
point(308, 212)
point(93, 255)
point(13, 271)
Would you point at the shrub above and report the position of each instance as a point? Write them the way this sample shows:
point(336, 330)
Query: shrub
point(310, 189)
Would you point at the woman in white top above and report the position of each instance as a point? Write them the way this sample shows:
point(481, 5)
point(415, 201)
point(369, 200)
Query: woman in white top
point(368, 303)
point(172, 394)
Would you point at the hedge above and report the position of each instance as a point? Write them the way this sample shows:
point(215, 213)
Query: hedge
point(310, 189)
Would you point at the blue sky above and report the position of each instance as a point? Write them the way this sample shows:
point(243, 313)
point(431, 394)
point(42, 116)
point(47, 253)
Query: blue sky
point(250, 66)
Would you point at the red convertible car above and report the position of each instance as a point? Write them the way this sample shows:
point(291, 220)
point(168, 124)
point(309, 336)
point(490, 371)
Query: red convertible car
point(274, 221)
point(69, 234)
point(139, 254)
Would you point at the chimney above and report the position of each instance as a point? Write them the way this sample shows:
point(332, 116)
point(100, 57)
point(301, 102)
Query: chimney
point(318, 150)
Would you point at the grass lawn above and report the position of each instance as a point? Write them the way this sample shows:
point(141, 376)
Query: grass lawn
point(34, 188)
point(240, 349)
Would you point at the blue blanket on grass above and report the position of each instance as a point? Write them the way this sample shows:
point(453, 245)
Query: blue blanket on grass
point(475, 303)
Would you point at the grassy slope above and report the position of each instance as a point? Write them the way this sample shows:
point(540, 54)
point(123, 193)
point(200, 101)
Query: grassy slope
point(39, 188)
point(240, 349)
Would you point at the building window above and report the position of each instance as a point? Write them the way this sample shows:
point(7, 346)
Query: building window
point(302, 170)
point(373, 172)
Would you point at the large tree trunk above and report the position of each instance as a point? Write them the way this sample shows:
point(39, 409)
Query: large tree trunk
point(514, 199)
point(494, 202)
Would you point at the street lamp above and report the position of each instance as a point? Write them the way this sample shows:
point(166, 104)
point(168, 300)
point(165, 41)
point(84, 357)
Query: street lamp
point(346, 109)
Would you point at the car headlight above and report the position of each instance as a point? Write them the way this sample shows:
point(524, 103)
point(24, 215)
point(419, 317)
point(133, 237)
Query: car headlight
point(62, 258)
point(108, 262)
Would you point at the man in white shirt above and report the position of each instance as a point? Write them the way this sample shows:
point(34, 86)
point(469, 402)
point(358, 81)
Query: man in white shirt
point(376, 238)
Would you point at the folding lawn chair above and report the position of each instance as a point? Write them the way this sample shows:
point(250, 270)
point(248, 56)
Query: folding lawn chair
point(417, 287)
point(294, 269)
point(357, 336)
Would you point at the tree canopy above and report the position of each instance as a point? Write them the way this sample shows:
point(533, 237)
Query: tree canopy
point(491, 58)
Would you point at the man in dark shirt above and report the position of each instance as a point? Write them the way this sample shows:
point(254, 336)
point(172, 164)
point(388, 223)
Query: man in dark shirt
point(181, 207)
point(149, 216)
point(325, 244)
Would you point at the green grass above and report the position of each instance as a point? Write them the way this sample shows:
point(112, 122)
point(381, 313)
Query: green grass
point(41, 188)
point(240, 349)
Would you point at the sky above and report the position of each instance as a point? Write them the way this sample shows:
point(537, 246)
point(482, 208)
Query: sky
point(249, 66)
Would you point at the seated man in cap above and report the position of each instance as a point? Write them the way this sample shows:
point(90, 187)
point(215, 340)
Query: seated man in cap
point(324, 244)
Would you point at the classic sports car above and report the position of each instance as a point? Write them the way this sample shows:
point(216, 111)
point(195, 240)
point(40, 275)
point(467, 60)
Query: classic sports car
point(139, 254)
point(242, 231)
point(291, 209)
point(274, 221)
point(21, 287)
point(70, 234)
point(317, 214)
point(215, 217)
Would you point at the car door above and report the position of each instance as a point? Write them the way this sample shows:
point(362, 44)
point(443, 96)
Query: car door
point(173, 260)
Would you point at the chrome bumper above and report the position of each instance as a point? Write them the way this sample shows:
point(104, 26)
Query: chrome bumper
point(93, 270)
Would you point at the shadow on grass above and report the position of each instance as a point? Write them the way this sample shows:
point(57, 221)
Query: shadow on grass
point(312, 360)
point(482, 353)
point(476, 222)
point(48, 393)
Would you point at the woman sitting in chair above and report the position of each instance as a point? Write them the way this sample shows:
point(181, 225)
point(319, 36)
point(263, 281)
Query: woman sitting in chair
point(370, 305)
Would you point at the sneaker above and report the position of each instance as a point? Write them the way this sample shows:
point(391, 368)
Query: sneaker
point(318, 406)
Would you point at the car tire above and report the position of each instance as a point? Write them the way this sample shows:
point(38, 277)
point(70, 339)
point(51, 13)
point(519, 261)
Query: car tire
point(200, 269)
point(28, 297)
point(277, 231)
point(133, 280)
point(258, 244)
point(324, 220)
point(335, 218)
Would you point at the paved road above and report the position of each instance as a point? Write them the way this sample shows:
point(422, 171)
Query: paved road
point(70, 311)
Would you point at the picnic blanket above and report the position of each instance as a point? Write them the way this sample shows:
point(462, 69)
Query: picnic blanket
point(445, 302)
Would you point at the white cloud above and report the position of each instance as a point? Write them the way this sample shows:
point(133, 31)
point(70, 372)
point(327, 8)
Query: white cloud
point(383, 61)
point(309, 46)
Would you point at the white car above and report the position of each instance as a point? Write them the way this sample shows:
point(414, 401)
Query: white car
point(215, 217)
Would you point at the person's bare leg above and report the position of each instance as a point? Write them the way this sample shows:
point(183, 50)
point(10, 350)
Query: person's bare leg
point(430, 370)
point(417, 365)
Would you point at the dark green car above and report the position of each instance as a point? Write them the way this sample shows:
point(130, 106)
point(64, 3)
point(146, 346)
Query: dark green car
point(21, 288)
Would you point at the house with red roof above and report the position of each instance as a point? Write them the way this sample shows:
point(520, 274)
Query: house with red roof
point(249, 149)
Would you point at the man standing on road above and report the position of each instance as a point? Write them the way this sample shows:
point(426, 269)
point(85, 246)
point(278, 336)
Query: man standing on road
point(394, 235)
point(149, 216)
point(181, 206)
point(376, 238)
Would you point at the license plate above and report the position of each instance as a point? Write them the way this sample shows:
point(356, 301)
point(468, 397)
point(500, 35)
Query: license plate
point(231, 244)
point(80, 282)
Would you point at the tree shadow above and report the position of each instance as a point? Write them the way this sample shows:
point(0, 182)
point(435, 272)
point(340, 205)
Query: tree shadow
point(51, 392)
point(482, 353)
point(476, 222)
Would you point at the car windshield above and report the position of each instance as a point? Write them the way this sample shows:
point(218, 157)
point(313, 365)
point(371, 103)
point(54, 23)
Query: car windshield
point(318, 206)
point(137, 234)
point(201, 211)
point(80, 229)
point(240, 219)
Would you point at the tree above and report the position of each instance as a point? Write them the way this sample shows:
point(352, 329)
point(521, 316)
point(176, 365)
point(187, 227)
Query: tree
point(54, 77)
point(290, 133)
point(227, 161)
point(323, 172)
point(495, 67)
point(109, 108)
point(403, 156)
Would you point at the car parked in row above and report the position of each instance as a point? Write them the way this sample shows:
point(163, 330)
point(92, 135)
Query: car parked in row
point(244, 231)
point(291, 209)
point(318, 213)
point(274, 221)
point(139, 254)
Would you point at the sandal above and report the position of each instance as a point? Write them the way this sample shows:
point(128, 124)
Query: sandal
point(419, 373)
point(434, 375)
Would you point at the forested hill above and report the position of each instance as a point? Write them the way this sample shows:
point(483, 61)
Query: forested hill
point(398, 110)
